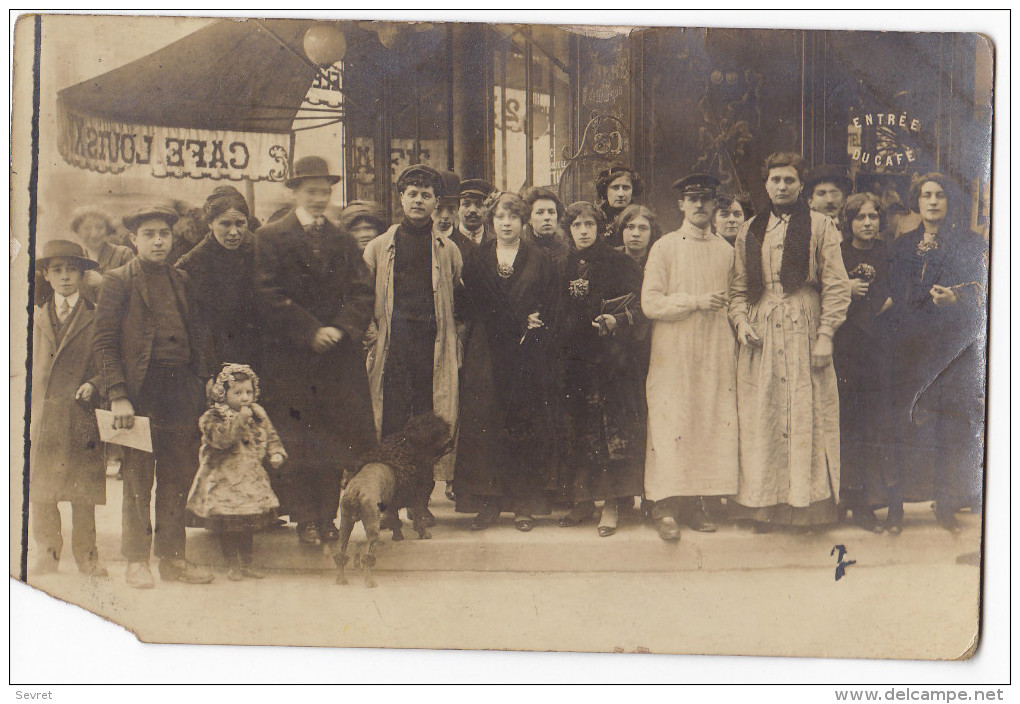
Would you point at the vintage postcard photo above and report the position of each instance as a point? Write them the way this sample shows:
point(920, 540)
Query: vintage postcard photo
point(503, 336)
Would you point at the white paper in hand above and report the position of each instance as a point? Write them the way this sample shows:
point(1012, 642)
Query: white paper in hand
point(137, 436)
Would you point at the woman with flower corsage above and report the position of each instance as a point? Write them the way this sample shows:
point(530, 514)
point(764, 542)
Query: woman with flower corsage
point(601, 404)
point(506, 445)
point(231, 495)
point(861, 357)
point(938, 277)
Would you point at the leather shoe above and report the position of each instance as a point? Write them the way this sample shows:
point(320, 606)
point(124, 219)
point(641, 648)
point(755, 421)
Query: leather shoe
point(139, 576)
point(177, 570)
point(867, 520)
point(450, 496)
point(699, 519)
point(524, 523)
point(668, 529)
point(328, 532)
point(308, 534)
point(485, 518)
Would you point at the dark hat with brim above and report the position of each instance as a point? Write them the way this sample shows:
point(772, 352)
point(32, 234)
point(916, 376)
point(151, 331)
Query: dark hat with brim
point(475, 188)
point(66, 249)
point(827, 174)
point(697, 185)
point(451, 189)
point(425, 170)
point(150, 212)
point(310, 167)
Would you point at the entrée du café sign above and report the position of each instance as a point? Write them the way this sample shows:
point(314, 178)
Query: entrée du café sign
point(111, 147)
point(883, 142)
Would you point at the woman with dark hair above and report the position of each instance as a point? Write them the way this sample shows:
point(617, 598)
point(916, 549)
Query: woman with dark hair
point(732, 211)
point(544, 214)
point(639, 230)
point(938, 277)
point(600, 399)
point(788, 296)
point(860, 356)
point(505, 445)
point(616, 188)
point(222, 267)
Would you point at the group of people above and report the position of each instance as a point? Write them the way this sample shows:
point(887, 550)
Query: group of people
point(769, 368)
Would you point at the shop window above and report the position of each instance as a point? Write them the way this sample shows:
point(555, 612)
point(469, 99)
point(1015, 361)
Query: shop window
point(532, 107)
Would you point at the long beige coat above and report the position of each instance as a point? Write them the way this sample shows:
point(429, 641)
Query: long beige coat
point(788, 411)
point(446, 272)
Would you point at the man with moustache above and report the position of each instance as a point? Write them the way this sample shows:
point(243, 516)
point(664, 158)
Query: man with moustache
point(691, 386)
point(473, 194)
point(826, 188)
point(315, 301)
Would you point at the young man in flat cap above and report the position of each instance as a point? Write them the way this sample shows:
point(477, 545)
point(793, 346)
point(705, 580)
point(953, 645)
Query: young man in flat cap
point(826, 188)
point(473, 194)
point(413, 367)
point(315, 298)
point(66, 462)
point(692, 402)
point(151, 353)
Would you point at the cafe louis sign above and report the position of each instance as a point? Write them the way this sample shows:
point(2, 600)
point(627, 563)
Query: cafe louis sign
point(106, 146)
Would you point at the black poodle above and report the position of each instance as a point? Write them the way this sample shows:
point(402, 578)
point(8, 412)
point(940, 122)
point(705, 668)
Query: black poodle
point(397, 474)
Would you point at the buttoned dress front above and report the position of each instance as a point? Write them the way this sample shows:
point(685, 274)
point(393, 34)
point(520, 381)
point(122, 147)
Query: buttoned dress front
point(788, 412)
point(691, 386)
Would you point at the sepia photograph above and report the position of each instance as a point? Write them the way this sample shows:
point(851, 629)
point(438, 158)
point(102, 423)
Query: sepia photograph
point(495, 332)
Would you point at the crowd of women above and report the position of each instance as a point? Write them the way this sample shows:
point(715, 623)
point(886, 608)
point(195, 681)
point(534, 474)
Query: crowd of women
point(773, 369)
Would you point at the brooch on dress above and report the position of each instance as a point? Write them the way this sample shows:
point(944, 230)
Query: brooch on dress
point(925, 246)
point(578, 288)
point(505, 271)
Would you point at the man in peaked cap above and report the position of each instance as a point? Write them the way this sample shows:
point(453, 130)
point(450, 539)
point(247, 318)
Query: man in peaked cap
point(473, 194)
point(826, 188)
point(445, 216)
point(692, 402)
point(315, 298)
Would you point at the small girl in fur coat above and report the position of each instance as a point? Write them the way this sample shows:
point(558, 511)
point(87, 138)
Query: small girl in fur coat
point(231, 495)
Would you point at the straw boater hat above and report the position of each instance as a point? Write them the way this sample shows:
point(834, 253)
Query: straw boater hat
point(310, 167)
point(66, 249)
point(697, 185)
point(150, 212)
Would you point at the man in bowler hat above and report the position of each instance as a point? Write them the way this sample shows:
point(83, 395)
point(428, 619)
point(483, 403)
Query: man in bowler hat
point(315, 298)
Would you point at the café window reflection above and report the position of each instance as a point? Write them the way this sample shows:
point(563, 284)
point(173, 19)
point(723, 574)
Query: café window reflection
point(532, 114)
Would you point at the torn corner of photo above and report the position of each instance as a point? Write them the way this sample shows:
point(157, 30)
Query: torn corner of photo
point(137, 436)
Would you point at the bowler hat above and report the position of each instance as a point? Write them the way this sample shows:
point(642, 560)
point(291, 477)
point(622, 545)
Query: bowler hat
point(475, 188)
point(451, 189)
point(309, 167)
point(53, 249)
point(697, 185)
point(424, 170)
point(824, 173)
point(150, 212)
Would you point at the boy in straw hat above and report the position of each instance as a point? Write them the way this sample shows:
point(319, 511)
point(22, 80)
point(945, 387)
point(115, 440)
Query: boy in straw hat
point(66, 459)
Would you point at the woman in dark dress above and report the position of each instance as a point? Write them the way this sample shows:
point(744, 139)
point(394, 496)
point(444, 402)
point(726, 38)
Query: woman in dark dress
point(603, 438)
point(222, 267)
point(617, 188)
point(938, 276)
point(860, 355)
point(505, 446)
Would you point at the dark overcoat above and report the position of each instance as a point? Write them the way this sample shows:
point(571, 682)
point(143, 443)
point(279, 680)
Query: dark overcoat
point(320, 403)
point(506, 443)
point(224, 284)
point(66, 459)
point(126, 328)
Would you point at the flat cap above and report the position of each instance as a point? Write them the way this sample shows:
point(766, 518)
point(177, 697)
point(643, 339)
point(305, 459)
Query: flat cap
point(150, 212)
point(424, 170)
point(825, 173)
point(697, 185)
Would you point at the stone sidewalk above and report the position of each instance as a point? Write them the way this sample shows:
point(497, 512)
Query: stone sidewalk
point(635, 547)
